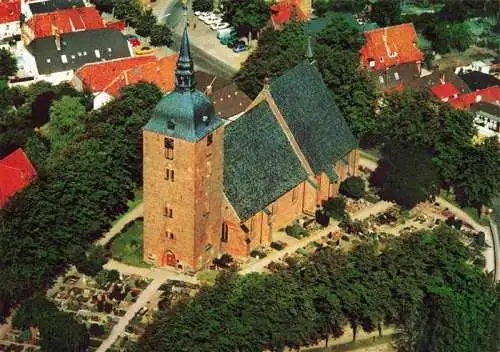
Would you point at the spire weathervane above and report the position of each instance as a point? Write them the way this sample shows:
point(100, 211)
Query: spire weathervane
point(184, 74)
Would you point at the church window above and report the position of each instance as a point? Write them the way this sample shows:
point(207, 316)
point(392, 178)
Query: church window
point(168, 212)
point(169, 148)
point(169, 174)
point(294, 195)
point(225, 233)
point(210, 139)
point(169, 235)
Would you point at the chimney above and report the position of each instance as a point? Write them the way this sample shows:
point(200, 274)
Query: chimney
point(58, 40)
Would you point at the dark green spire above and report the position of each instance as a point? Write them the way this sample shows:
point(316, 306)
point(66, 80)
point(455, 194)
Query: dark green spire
point(309, 53)
point(184, 74)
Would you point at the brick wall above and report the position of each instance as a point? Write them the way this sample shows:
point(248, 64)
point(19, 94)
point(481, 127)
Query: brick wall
point(194, 197)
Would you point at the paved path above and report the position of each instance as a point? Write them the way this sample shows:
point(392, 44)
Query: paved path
point(491, 253)
point(158, 275)
point(135, 213)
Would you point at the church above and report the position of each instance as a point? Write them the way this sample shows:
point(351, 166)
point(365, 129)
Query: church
point(214, 186)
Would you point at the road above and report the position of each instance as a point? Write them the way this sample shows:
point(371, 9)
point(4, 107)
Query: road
point(491, 253)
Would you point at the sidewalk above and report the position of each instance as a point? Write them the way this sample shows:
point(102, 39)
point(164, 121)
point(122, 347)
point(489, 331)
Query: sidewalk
point(135, 213)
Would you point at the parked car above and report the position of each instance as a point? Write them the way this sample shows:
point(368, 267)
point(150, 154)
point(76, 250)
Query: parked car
point(221, 25)
point(199, 13)
point(229, 41)
point(133, 40)
point(144, 50)
point(212, 20)
point(239, 47)
point(221, 33)
point(205, 15)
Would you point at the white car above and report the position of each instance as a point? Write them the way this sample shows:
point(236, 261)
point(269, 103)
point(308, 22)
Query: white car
point(219, 26)
point(198, 13)
point(205, 15)
point(212, 20)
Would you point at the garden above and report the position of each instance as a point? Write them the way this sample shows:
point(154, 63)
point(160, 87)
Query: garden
point(127, 246)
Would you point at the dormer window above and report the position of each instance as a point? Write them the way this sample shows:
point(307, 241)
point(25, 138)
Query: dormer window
point(210, 139)
point(205, 119)
point(381, 59)
point(97, 53)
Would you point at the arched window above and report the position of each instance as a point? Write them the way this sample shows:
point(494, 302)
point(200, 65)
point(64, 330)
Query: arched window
point(225, 233)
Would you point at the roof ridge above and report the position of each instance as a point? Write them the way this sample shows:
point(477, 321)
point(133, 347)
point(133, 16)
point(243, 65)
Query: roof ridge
point(288, 133)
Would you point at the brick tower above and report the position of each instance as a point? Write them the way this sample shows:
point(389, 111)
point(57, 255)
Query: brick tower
point(183, 175)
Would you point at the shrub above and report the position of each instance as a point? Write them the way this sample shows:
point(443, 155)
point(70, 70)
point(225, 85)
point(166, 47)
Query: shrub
point(353, 187)
point(295, 231)
point(96, 330)
point(256, 253)
point(335, 207)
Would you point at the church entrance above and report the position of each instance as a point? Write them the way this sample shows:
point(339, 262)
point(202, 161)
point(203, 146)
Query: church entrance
point(169, 259)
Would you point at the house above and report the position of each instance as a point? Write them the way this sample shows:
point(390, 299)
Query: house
point(438, 77)
point(228, 100)
point(479, 80)
point(445, 91)
point(10, 15)
point(285, 10)
point(390, 46)
point(213, 186)
point(55, 58)
point(479, 66)
point(487, 118)
point(62, 21)
point(16, 172)
point(33, 7)
point(488, 95)
point(105, 79)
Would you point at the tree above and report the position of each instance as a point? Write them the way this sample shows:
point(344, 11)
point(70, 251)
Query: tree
point(323, 6)
point(203, 5)
point(8, 64)
point(406, 175)
point(353, 187)
point(58, 330)
point(66, 121)
point(479, 181)
point(161, 35)
point(91, 263)
point(37, 148)
point(103, 5)
point(335, 207)
point(145, 23)
point(129, 11)
point(449, 36)
point(386, 12)
point(246, 15)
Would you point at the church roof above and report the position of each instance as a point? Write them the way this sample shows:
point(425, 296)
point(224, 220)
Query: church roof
point(185, 113)
point(313, 117)
point(259, 162)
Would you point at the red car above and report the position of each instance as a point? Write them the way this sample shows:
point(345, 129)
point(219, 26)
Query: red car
point(133, 40)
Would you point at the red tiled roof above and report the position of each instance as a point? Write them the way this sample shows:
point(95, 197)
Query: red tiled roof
point(65, 21)
point(16, 172)
point(97, 76)
point(390, 46)
point(10, 11)
point(446, 90)
point(283, 11)
point(397, 88)
point(160, 72)
point(488, 95)
point(118, 25)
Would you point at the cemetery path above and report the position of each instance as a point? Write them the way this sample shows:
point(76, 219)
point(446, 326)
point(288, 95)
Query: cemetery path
point(135, 213)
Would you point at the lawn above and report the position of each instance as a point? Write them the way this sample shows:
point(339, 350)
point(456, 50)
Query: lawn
point(127, 246)
point(472, 212)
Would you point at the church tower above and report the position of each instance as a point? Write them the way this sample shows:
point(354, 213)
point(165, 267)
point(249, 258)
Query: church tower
point(183, 147)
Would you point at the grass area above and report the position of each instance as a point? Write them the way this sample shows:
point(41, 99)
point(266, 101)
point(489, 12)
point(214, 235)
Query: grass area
point(127, 247)
point(412, 9)
point(369, 154)
point(472, 212)
point(131, 204)
point(208, 275)
point(383, 343)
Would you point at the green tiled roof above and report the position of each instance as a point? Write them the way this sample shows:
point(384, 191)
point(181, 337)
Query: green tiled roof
point(313, 117)
point(190, 113)
point(259, 163)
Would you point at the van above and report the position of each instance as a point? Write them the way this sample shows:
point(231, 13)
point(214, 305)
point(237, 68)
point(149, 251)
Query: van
point(226, 32)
